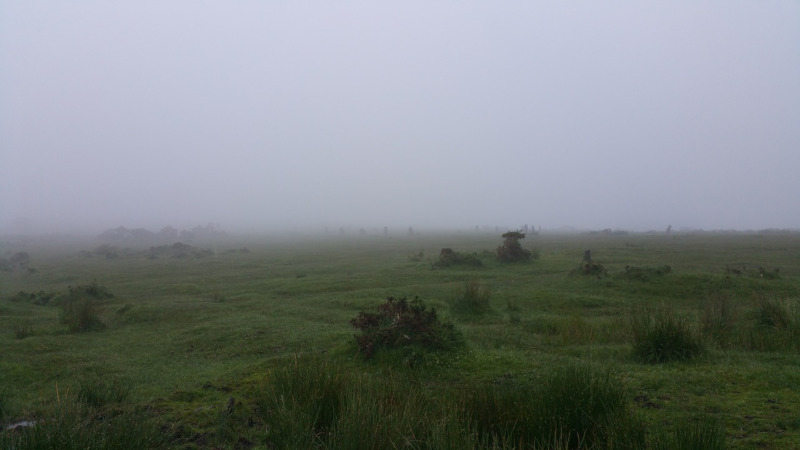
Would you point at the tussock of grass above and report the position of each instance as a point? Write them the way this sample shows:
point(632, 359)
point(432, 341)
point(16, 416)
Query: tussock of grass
point(663, 335)
point(70, 425)
point(695, 433)
point(472, 298)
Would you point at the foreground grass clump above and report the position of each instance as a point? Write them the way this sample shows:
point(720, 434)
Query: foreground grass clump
point(73, 425)
point(403, 324)
point(472, 298)
point(317, 403)
point(570, 407)
point(695, 433)
point(663, 335)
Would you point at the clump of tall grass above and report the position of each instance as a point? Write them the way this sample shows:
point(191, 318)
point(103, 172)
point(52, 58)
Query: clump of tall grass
point(720, 320)
point(80, 314)
point(101, 392)
point(695, 433)
point(572, 406)
point(80, 309)
point(472, 298)
point(663, 335)
point(71, 425)
point(775, 324)
point(23, 330)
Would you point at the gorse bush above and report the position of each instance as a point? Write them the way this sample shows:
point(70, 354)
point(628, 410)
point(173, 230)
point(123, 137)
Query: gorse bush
point(511, 250)
point(448, 257)
point(400, 323)
point(472, 298)
point(662, 336)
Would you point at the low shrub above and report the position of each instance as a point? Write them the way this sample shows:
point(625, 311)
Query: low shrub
point(472, 298)
point(448, 258)
point(400, 323)
point(662, 336)
point(511, 250)
point(37, 298)
point(589, 268)
point(645, 273)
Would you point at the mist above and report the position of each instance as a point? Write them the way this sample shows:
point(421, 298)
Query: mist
point(282, 115)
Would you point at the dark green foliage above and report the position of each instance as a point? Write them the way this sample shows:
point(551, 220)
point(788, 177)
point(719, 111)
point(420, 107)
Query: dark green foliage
point(662, 336)
point(472, 298)
point(448, 258)
point(645, 273)
point(400, 323)
point(511, 250)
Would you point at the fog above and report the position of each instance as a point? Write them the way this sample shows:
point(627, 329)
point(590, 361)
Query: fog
point(263, 115)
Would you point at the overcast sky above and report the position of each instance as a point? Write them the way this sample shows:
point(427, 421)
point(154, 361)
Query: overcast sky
point(264, 114)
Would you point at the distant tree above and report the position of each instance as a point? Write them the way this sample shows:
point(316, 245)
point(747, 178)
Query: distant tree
point(511, 250)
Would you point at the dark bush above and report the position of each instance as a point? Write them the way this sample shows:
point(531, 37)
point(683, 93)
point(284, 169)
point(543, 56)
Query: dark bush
point(448, 257)
point(644, 273)
point(400, 323)
point(511, 250)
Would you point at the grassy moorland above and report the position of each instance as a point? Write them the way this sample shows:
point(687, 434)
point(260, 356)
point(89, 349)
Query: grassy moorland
point(679, 341)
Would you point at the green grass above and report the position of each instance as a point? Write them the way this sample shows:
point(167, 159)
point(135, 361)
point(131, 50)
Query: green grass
point(270, 329)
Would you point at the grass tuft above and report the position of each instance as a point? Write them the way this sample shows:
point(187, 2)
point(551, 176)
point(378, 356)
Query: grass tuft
point(663, 335)
point(472, 298)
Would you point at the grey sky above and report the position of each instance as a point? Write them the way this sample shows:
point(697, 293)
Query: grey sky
point(252, 114)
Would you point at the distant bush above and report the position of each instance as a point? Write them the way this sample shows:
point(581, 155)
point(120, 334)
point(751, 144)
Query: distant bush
point(588, 267)
point(511, 250)
point(645, 273)
point(472, 298)
point(662, 336)
point(448, 257)
point(37, 298)
point(400, 323)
